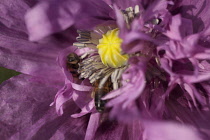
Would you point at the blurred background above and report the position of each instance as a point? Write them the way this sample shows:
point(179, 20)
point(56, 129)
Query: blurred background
point(6, 74)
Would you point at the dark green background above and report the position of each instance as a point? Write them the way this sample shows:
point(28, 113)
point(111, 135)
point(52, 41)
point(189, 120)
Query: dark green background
point(6, 74)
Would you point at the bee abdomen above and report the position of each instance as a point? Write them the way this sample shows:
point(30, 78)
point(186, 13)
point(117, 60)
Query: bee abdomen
point(99, 103)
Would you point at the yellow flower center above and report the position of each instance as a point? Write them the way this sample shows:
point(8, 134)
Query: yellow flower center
point(110, 51)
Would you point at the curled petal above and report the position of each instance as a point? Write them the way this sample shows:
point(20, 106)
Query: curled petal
point(88, 108)
point(133, 85)
point(78, 92)
point(62, 96)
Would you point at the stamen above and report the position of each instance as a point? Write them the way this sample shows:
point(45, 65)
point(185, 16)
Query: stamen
point(104, 64)
point(79, 45)
point(156, 21)
point(129, 14)
point(115, 77)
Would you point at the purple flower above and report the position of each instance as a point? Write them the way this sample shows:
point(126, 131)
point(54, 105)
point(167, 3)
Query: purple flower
point(120, 69)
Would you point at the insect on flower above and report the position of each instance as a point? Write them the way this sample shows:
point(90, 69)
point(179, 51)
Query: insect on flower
point(99, 92)
point(138, 59)
point(105, 62)
point(104, 73)
point(72, 63)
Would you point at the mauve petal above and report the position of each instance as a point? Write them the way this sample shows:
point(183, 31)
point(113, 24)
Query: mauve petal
point(174, 28)
point(201, 75)
point(12, 13)
point(125, 98)
point(125, 114)
point(88, 108)
point(26, 114)
point(49, 17)
point(67, 93)
point(178, 109)
point(122, 4)
point(169, 131)
point(120, 20)
point(82, 98)
point(205, 66)
point(62, 96)
point(193, 92)
point(187, 48)
point(40, 25)
point(135, 85)
point(111, 130)
point(62, 62)
point(155, 8)
point(134, 131)
point(186, 82)
point(38, 59)
point(179, 28)
point(136, 41)
point(78, 92)
point(198, 13)
point(92, 126)
point(153, 105)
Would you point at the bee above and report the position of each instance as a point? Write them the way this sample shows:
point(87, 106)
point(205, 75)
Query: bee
point(73, 63)
point(98, 93)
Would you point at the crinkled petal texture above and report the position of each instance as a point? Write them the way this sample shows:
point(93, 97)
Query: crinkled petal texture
point(102, 128)
point(53, 16)
point(12, 13)
point(177, 108)
point(182, 58)
point(136, 37)
point(17, 53)
point(25, 111)
point(26, 114)
point(197, 11)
